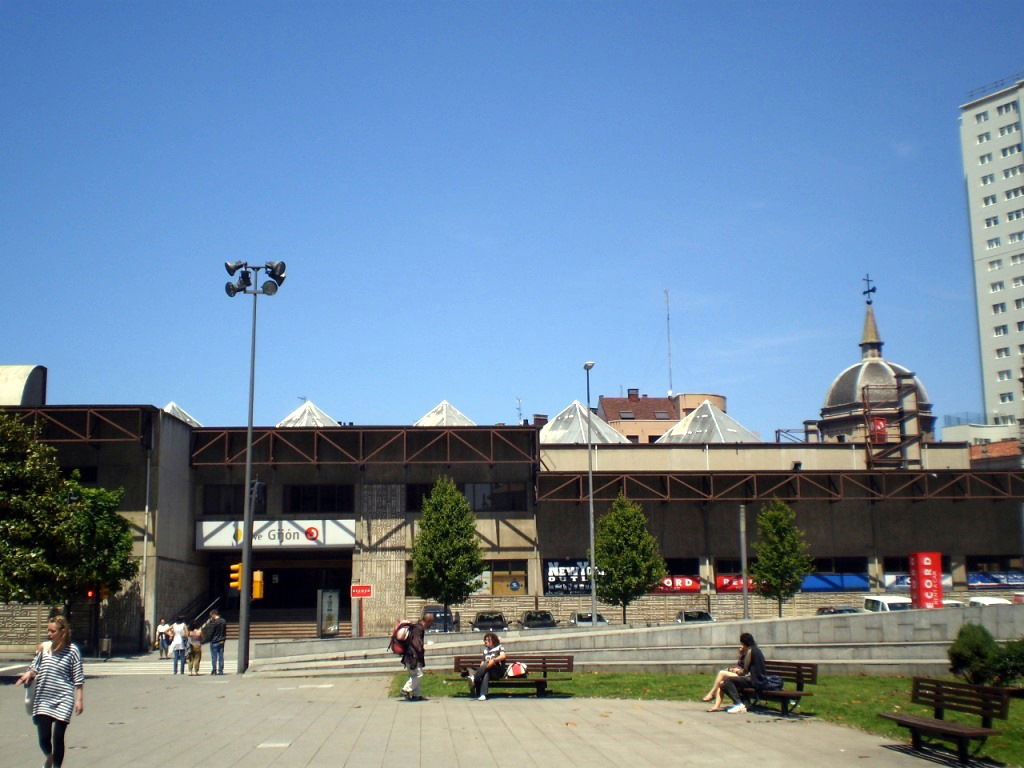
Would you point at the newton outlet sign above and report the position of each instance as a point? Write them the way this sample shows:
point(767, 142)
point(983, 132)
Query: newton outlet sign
point(279, 533)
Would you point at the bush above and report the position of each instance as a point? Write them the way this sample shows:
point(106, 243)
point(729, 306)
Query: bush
point(1009, 664)
point(974, 655)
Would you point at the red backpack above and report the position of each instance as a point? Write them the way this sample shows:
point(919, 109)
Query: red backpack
point(400, 637)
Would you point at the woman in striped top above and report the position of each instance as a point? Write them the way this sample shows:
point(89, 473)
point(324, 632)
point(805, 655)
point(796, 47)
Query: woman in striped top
point(59, 680)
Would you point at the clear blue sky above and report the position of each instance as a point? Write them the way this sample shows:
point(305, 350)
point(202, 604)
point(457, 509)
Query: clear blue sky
point(475, 198)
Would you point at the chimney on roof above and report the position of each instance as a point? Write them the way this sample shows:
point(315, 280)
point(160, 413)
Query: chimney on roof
point(540, 419)
point(633, 394)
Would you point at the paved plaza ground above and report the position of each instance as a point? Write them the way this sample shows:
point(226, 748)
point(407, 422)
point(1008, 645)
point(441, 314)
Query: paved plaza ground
point(136, 713)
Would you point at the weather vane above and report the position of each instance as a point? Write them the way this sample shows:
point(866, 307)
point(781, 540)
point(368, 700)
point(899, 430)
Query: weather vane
point(869, 290)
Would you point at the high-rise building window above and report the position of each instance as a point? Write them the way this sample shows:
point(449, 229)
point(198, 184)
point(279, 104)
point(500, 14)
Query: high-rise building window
point(998, 309)
point(988, 200)
point(993, 243)
point(1017, 237)
point(1013, 170)
point(981, 117)
point(1006, 397)
point(995, 264)
point(1008, 108)
point(1015, 215)
point(1012, 194)
point(1020, 349)
point(991, 221)
point(1018, 303)
point(1000, 330)
point(1003, 376)
point(1018, 282)
point(1007, 129)
point(1004, 352)
point(1017, 258)
point(1013, 149)
point(997, 286)
point(985, 159)
point(983, 137)
point(988, 178)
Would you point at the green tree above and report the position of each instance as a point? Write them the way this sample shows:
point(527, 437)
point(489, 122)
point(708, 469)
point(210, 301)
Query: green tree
point(782, 558)
point(446, 555)
point(627, 559)
point(56, 537)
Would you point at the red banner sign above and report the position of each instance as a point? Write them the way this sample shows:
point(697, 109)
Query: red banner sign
point(362, 590)
point(733, 583)
point(677, 584)
point(926, 579)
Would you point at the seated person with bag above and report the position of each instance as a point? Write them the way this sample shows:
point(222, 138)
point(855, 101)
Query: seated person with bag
point(492, 667)
point(752, 674)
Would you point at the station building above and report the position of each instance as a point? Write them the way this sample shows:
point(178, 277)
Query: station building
point(339, 505)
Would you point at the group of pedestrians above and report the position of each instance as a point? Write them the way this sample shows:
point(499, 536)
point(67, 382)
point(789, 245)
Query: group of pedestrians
point(184, 644)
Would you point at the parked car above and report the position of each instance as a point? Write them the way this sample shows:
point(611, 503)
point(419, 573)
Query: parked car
point(953, 604)
point(684, 616)
point(585, 620)
point(988, 600)
point(490, 621)
point(538, 620)
point(887, 603)
point(444, 621)
point(830, 610)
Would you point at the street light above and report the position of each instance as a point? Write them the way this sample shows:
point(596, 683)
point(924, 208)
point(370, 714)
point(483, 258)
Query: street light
point(590, 500)
point(248, 282)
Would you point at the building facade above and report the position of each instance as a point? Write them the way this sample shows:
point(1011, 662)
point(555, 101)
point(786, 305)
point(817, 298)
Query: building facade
point(993, 166)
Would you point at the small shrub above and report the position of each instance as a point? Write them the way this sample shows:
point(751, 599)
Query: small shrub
point(1009, 664)
point(974, 655)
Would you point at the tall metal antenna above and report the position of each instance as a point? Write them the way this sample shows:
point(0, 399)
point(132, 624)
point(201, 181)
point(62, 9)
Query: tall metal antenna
point(668, 328)
point(869, 290)
point(519, 410)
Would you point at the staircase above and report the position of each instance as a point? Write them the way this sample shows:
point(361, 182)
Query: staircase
point(285, 624)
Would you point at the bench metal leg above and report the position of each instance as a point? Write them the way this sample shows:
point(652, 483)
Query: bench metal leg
point(961, 749)
point(542, 689)
point(915, 739)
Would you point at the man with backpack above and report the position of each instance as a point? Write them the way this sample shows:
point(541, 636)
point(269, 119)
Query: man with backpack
point(413, 659)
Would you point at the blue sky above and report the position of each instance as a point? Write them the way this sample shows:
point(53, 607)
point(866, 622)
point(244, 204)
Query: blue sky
point(475, 198)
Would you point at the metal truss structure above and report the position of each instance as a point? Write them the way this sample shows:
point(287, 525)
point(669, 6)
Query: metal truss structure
point(946, 485)
point(87, 424)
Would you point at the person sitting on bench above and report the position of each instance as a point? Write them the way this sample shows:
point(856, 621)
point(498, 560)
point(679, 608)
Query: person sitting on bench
point(492, 667)
point(752, 674)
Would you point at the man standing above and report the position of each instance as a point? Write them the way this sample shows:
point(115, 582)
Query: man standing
point(413, 659)
point(215, 632)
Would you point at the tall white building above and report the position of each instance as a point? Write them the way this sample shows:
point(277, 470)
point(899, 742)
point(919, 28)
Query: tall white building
point(990, 142)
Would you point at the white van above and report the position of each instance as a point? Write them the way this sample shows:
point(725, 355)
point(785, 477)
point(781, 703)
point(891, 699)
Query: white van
point(988, 601)
point(887, 603)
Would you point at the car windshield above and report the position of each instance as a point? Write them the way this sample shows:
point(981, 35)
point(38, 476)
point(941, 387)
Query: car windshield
point(900, 606)
point(537, 616)
point(489, 617)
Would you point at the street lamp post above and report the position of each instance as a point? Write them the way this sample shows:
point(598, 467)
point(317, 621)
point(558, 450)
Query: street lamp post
point(590, 500)
point(248, 282)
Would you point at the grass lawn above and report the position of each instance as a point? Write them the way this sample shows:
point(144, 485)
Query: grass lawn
point(850, 701)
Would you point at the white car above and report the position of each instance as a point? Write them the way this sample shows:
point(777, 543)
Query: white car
point(879, 603)
point(584, 620)
point(989, 601)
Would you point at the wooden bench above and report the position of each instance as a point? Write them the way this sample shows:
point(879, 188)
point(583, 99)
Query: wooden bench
point(796, 673)
point(942, 695)
point(540, 670)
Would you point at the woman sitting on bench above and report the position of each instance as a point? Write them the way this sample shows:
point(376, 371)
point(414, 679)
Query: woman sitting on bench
point(492, 667)
point(752, 676)
point(716, 687)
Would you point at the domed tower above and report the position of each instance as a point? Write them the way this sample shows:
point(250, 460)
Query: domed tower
point(875, 401)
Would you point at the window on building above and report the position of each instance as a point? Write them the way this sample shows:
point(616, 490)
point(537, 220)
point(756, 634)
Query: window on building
point(626, 415)
point(1020, 325)
point(414, 495)
point(995, 264)
point(508, 577)
point(991, 221)
point(1000, 330)
point(983, 137)
point(1006, 397)
point(1018, 303)
point(318, 499)
point(1013, 170)
point(997, 286)
point(1015, 215)
point(993, 243)
point(998, 309)
point(1017, 258)
point(1003, 376)
point(496, 497)
point(661, 415)
point(1014, 193)
point(1008, 108)
point(985, 159)
point(1013, 149)
point(988, 200)
point(633, 438)
point(1018, 282)
point(988, 178)
point(1003, 352)
point(981, 117)
point(1016, 237)
point(1008, 129)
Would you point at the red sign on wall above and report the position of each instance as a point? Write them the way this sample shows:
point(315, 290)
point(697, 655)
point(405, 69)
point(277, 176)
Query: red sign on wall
point(361, 590)
point(926, 579)
point(676, 584)
point(733, 583)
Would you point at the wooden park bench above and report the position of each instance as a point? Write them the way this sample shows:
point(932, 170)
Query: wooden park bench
point(541, 669)
point(942, 695)
point(796, 674)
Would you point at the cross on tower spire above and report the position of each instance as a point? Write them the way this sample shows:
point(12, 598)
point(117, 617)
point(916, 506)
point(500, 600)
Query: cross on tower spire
point(869, 289)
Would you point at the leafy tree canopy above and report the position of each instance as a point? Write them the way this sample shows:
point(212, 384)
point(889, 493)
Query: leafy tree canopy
point(627, 557)
point(56, 536)
point(782, 557)
point(446, 555)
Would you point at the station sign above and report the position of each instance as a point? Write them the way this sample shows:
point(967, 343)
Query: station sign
point(361, 590)
point(278, 533)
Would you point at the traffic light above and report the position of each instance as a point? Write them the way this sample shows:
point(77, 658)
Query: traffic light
point(257, 585)
point(90, 594)
point(236, 576)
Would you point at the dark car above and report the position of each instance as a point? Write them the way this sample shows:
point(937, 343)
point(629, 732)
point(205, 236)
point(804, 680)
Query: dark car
point(538, 620)
point(829, 610)
point(490, 621)
point(444, 621)
point(693, 616)
point(584, 620)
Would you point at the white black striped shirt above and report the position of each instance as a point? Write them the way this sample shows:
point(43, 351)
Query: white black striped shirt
point(57, 676)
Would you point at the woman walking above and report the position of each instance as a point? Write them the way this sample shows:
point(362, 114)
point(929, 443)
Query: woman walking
point(59, 680)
